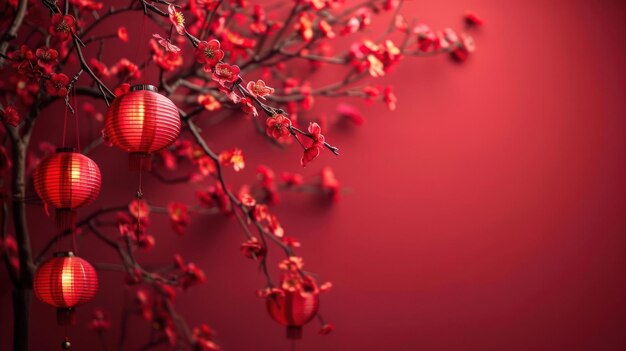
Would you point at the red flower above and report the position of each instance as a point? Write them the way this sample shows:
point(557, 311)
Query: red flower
point(205, 165)
point(463, 50)
point(316, 134)
point(351, 113)
point(122, 34)
point(203, 338)
point(168, 60)
point(236, 44)
point(10, 116)
point(426, 38)
point(278, 126)
point(318, 4)
point(177, 18)
point(92, 112)
point(472, 19)
point(21, 59)
point(144, 304)
point(225, 73)
point(248, 107)
point(139, 209)
point(145, 241)
point(268, 183)
point(390, 98)
point(259, 26)
point(9, 247)
point(307, 96)
point(62, 27)
point(99, 321)
point(309, 155)
point(192, 275)
point(326, 29)
point(215, 196)
point(330, 184)
point(209, 54)
point(292, 179)
point(253, 249)
point(311, 152)
point(126, 69)
point(259, 89)
point(209, 102)
point(166, 43)
point(233, 157)
point(291, 264)
point(46, 58)
point(99, 68)
point(325, 287)
point(57, 84)
point(179, 216)
point(305, 26)
point(326, 329)
point(245, 197)
point(289, 241)
point(122, 89)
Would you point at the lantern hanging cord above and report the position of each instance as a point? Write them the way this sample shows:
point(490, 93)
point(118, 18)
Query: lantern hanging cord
point(145, 44)
point(76, 119)
point(138, 50)
point(64, 126)
point(139, 197)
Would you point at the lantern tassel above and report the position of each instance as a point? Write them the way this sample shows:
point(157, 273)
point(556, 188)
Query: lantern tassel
point(139, 161)
point(66, 316)
point(294, 332)
point(65, 218)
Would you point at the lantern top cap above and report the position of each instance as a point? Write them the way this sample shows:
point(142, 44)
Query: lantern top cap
point(64, 254)
point(148, 87)
point(65, 149)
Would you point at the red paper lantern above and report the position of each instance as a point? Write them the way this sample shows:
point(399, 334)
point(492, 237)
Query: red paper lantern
point(141, 122)
point(67, 180)
point(65, 281)
point(293, 309)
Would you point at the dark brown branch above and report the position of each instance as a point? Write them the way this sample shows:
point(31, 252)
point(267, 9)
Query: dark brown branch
point(11, 33)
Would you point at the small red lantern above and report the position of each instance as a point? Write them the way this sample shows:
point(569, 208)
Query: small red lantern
point(293, 308)
point(65, 281)
point(67, 180)
point(141, 122)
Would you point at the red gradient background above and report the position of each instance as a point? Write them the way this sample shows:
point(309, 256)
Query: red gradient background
point(487, 213)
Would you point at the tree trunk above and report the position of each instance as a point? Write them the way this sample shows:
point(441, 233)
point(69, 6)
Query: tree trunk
point(21, 312)
point(22, 291)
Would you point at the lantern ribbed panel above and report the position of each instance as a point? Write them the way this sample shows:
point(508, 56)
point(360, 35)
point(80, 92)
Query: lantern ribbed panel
point(67, 180)
point(293, 310)
point(142, 121)
point(65, 282)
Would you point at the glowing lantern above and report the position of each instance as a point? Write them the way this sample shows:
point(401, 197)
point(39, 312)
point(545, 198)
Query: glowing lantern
point(67, 180)
point(141, 122)
point(65, 281)
point(293, 309)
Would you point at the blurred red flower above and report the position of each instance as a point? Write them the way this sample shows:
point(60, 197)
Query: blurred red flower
point(122, 34)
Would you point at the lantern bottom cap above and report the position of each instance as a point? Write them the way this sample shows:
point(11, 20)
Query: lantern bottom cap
point(66, 316)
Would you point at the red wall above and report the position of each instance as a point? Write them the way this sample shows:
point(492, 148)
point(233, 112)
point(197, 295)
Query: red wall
point(486, 213)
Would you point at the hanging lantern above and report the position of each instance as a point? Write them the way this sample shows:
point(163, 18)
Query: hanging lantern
point(65, 281)
point(67, 180)
point(141, 122)
point(293, 308)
